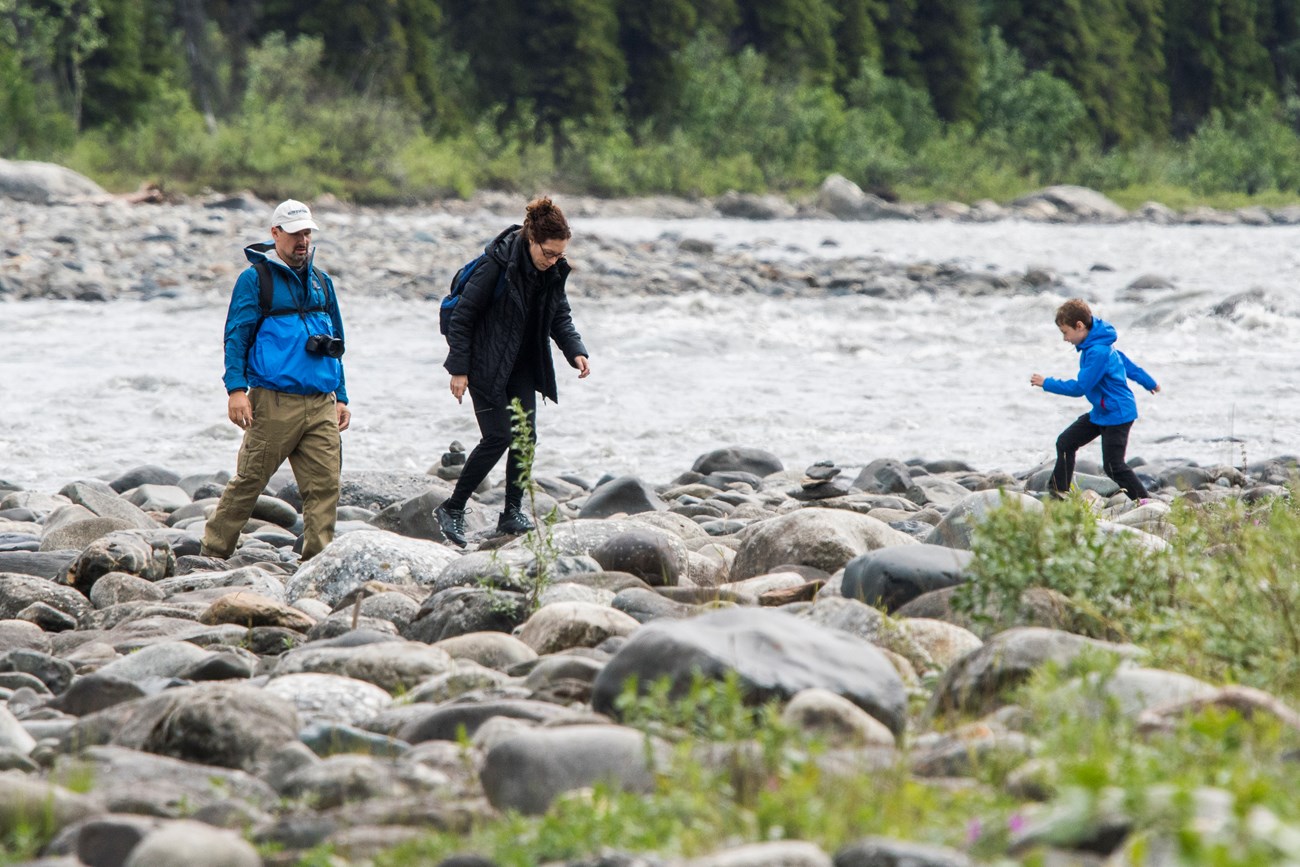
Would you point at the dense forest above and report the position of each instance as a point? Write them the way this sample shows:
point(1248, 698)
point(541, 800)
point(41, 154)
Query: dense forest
point(393, 100)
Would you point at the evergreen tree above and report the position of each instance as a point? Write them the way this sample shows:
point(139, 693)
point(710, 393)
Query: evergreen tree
point(652, 36)
point(384, 48)
point(1215, 59)
point(1146, 70)
point(947, 33)
point(1101, 48)
point(794, 35)
point(857, 40)
point(575, 70)
point(899, 46)
point(127, 69)
point(1278, 26)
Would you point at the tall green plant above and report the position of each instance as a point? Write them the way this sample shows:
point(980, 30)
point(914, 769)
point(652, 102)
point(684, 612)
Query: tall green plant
point(538, 541)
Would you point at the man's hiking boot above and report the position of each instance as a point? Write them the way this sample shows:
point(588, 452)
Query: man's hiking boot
point(452, 524)
point(514, 522)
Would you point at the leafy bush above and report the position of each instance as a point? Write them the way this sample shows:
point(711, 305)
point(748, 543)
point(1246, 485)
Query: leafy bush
point(1112, 576)
point(1222, 602)
point(1251, 152)
point(1033, 120)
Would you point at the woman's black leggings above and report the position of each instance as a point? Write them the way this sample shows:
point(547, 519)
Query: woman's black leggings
point(1114, 443)
point(494, 422)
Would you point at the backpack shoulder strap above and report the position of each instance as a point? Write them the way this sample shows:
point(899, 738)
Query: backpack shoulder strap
point(265, 287)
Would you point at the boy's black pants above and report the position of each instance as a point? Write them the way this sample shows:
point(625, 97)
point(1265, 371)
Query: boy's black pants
point(494, 423)
point(1114, 443)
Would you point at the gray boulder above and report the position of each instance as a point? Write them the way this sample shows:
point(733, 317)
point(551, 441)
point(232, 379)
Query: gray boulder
point(145, 474)
point(368, 555)
point(774, 654)
point(626, 495)
point(150, 558)
point(52, 565)
point(128, 780)
point(528, 770)
point(978, 683)
point(413, 517)
point(889, 476)
point(19, 591)
point(891, 577)
point(954, 531)
point(1078, 203)
point(193, 844)
point(825, 539)
point(452, 721)
point(329, 697)
point(464, 610)
point(44, 183)
point(228, 726)
point(742, 459)
point(157, 498)
point(653, 555)
point(80, 534)
point(391, 665)
point(104, 502)
point(888, 852)
point(370, 489)
point(749, 206)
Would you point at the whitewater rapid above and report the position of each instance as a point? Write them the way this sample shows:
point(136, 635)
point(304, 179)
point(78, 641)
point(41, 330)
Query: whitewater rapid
point(90, 390)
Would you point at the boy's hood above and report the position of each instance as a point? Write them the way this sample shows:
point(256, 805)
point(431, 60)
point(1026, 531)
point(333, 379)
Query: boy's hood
point(1102, 333)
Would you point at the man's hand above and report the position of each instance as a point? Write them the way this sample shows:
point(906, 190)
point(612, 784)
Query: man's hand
point(458, 386)
point(584, 367)
point(1036, 380)
point(345, 416)
point(240, 409)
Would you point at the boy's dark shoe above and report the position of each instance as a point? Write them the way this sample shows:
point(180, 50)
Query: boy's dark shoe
point(452, 524)
point(514, 522)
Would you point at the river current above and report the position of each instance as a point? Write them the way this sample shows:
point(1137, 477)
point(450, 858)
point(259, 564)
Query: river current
point(94, 389)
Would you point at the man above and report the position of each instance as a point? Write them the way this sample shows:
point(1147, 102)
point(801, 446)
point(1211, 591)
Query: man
point(284, 375)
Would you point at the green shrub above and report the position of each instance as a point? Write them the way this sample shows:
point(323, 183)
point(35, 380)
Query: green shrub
point(1112, 576)
point(1221, 602)
point(1254, 151)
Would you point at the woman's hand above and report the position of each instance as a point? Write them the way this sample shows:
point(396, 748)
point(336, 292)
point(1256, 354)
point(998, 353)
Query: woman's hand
point(1036, 380)
point(458, 386)
point(584, 367)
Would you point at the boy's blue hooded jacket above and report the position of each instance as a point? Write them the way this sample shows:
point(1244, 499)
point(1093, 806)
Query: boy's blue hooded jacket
point(274, 356)
point(1104, 372)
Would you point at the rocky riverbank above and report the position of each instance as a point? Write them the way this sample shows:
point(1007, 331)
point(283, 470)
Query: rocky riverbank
point(65, 238)
point(159, 707)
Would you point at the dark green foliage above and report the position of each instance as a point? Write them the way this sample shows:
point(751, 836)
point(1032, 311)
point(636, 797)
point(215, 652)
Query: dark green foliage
point(124, 73)
point(857, 39)
point(386, 49)
point(652, 36)
point(796, 35)
point(1215, 59)
point(574, 69)
point(948, 36)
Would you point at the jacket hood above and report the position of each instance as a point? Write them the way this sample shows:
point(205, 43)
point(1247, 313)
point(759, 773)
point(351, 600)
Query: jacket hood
point(499, 247)
point(264, 251)
point(503, 248)
point(1102, 333)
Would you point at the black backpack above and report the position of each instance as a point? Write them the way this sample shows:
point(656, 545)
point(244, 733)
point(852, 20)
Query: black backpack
point(458, 284)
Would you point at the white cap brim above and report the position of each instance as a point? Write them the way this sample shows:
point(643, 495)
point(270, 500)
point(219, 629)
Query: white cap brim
point(295, 226)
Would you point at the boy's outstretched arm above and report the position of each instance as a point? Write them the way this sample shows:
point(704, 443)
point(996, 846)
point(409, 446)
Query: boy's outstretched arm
point(1138, 375)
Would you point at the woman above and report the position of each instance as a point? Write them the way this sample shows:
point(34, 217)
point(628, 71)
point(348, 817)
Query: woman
point(500, 330)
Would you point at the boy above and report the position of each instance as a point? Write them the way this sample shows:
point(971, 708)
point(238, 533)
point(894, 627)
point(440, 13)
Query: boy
point(1103, 375)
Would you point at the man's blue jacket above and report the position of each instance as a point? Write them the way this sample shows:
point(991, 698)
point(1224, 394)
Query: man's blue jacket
point(274, 356)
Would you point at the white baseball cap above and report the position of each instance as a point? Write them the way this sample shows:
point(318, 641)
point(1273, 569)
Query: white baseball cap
point(293, 216)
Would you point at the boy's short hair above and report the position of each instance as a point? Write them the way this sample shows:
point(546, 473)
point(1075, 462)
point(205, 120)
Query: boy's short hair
point(1074, 310)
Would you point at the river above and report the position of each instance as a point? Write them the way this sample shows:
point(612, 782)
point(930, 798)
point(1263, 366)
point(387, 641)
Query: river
point(94, 389)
